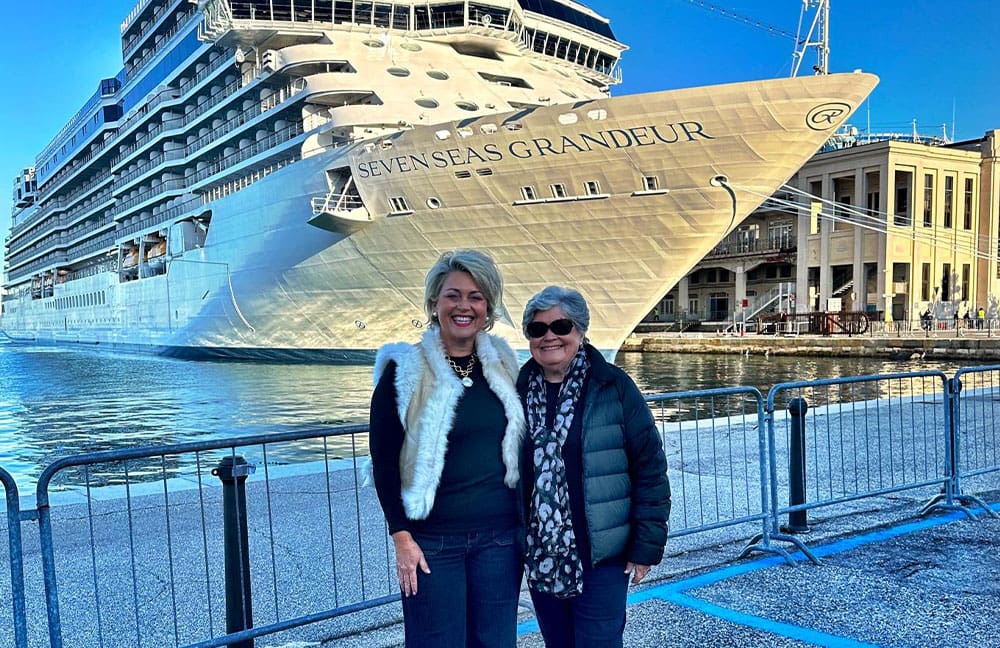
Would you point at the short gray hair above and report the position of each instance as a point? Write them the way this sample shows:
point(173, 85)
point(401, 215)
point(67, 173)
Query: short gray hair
point(481, 268)
point(569, 300)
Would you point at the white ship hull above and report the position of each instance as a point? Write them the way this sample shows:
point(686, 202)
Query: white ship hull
point(268, 284)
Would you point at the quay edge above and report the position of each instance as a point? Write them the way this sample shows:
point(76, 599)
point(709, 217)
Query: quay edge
point(891, 348)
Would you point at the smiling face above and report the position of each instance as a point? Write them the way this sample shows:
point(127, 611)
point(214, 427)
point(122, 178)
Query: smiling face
point(554, 352)
point(461, 313)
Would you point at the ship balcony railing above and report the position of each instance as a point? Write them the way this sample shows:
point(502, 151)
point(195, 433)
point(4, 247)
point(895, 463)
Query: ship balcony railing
point(137, 38)
point(142, 197)
point(271, 141)
point(67, 173)
point(336, 203)
point(135, 66)
point(156, 220)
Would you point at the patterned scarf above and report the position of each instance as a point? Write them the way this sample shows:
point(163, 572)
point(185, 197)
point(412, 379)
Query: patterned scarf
point(553, 563)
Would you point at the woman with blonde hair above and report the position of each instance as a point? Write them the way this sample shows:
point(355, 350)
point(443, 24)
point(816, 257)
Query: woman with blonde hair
point(446, 430)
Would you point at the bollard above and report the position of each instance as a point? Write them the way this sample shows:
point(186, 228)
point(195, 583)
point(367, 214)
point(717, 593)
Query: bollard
point(797, 408)
point(232, 472)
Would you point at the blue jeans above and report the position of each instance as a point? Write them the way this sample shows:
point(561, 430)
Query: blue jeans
point(470, 596)
point(594, 619)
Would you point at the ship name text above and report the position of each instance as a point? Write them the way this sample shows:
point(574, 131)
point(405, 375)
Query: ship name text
point(615, 138)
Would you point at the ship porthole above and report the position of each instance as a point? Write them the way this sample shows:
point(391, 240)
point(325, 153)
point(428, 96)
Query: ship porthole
point(467, 105)
point(371, 42)
point(361, 325)
point(413, 47)
point(398, 71)
point(437, 74)
point(427, 102)
point(416, 323)
point(433, 202)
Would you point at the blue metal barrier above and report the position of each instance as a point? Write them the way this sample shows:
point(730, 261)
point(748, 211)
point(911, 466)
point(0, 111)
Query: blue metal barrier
point(154, 552)
point(976, 409)
point(866, 436)
point(19, 623)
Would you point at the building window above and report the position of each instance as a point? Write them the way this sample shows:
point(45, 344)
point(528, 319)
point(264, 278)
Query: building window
point(558, 190)
point(650, 183)
point(901, 214)
point(528, 193)
point(398, 204)
point(928, 200)
point(965, 282)
point(695, 277)
point(949, 197)
point(925, 282)
point(872, 196)
point(967, 216)
point(592, 187)
point(693, 306)
point(779, 235)
point(668, 306)
point(946, 282)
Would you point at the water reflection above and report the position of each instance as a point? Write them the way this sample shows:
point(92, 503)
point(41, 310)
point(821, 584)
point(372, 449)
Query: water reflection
point(56, 402)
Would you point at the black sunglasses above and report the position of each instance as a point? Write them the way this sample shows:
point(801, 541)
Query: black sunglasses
point(559, 327)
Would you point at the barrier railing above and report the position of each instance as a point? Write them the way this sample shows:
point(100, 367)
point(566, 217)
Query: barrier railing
point(15, 554)
point(976, 411)
point(145, 559)
point(222, 541)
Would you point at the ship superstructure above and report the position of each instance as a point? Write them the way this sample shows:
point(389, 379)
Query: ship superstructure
point(273, 178)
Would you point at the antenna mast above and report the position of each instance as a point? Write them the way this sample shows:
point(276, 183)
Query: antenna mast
point(818, 36)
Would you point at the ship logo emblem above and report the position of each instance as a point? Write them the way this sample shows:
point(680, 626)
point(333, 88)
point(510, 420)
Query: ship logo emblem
point(826, 116)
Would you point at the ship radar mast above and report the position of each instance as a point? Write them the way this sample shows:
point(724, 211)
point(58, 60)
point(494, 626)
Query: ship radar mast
point(817, 14)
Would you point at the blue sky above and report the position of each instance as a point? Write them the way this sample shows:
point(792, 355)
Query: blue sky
point(932, 57)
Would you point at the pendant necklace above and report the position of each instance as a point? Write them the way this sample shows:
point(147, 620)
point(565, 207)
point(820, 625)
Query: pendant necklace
point(463, 372)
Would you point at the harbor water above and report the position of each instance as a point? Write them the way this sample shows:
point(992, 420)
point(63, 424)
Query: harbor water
point(58, 401)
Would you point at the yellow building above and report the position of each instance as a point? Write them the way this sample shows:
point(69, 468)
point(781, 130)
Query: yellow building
point(890, 227)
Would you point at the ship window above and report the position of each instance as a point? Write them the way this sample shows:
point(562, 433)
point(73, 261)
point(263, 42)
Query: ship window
point(568, 118)
point(593, 187)
point(411, 46)
point(528, 193)
point(398, 71)
point(433, 202)
point(486, 171)
point(371, 42)
point(467, 105)
point(437, 74)
point(597, 114)
point(488, 129)
point(513, 126)
point(465, 131)
point(427, 102)
point(442, 134)
point(558, 190)
point(398, 204)
point(650, 183)
point(463, 174)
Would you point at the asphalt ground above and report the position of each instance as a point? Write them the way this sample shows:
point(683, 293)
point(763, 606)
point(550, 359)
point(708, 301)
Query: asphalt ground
point(914, 582)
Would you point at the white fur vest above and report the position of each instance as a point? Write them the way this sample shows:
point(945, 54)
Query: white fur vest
point(427, 394)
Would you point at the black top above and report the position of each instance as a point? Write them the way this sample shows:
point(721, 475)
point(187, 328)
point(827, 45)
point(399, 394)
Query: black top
point(471, 495)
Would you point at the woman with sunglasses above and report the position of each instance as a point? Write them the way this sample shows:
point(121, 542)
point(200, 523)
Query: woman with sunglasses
point(446, 430)
point(595, 493)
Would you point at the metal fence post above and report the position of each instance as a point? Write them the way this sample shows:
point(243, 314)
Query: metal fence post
point(16, 558)
point(233, 471)
point(797, 408)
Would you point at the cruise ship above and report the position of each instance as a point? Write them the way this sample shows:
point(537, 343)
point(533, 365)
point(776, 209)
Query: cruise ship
point(272, 179)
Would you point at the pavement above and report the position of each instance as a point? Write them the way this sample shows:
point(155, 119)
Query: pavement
point(888, 577)
point(914, 582)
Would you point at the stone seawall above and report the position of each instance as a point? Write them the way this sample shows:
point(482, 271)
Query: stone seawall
point(897, 348)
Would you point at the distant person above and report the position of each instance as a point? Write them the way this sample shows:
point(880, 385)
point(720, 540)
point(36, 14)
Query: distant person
point(595, 486)
point(926, 320)
point(980, 317)
point(968, 320)
point(446, 431)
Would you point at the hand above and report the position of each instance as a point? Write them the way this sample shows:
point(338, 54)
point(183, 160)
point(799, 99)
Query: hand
point(638, 571)
point(409, 556)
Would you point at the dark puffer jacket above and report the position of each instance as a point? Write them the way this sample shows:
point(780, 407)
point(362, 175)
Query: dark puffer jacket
point(625, 486)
